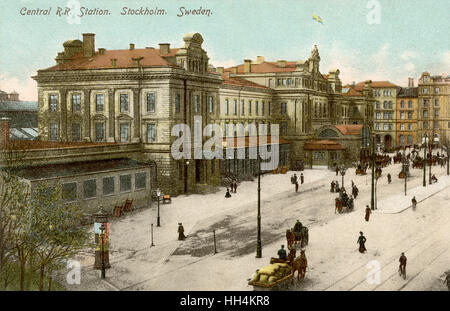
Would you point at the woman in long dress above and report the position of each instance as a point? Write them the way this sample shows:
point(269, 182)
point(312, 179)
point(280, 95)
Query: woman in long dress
point(361, 240)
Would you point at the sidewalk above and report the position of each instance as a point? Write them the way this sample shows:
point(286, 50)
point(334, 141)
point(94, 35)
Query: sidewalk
point(398, 203)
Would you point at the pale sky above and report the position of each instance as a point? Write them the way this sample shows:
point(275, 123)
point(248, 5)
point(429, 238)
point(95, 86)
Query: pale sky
point(412, 36)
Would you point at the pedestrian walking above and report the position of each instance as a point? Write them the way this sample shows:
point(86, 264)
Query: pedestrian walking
point(296, 186)
point(414, 203)
point(332, 186)
point(368, 212)
point(337, 170)
point(402, 267)
point(235, 187)
point(232, 185)
point(389, 178)
point(302, 179)
point(181, 235)
point(361, 241)
point(295, 179)
point(228, 195)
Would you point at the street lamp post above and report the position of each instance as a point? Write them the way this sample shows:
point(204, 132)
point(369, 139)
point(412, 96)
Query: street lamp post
point(425, 137)
point(102, 235)
point(372, 192)
point(343, 169)
point(431, 157)
point(158, 194)
point(258, 243)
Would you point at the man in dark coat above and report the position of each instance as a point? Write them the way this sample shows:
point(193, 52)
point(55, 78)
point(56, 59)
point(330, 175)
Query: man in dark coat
point(228, 195)
point(302, 179)
point(296, 186)
point(368, 212)
point(235, 187)
point(389, 178)
point(295, 178)
point(332, 186)
point(402, 266)
point(414, 203)
point(361, 241)
point(282, 253)
point(181, 235)
point(298, 226)
point(337, 170)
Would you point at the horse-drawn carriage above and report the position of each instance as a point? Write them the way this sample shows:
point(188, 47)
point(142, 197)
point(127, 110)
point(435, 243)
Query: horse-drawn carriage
point(294, 236)
point(360, 170)
point(418, 163)
point(275, 275)
point(398, 158)
point(342, 205)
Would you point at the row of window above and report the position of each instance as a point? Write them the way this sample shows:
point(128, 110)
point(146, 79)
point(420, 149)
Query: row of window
point(426, 101)
point(386, 93)
point(384, 126)
point(386, 105)
point(100, 135)
point(436, 90)
point(425, 124)
point(250, 106)
point(402, 126)
point(425, 113)
point(70, 190)
point(410, 104)
point(403, 115)
point(386, 115)
point(402, 139)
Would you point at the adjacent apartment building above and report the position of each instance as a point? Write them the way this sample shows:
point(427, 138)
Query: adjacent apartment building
point(406, 115)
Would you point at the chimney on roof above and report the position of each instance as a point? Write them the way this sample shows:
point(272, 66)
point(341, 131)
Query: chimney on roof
point(131, 46)
point(259, 59)
point(137, 61)
point(88, 44)
point(114, 62)
point(219, 69)
point(281, 63)
point(164, 48)
point(101, 51)
point(4, 131)
point(410, 82)
point(247, 65)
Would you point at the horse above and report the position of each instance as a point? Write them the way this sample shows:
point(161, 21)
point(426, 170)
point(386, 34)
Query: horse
point(299, 264)
point(290, 237)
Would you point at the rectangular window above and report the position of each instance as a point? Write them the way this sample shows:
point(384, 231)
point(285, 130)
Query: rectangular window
point(99, 131)
point(54, 135)
point(140, 180)
point(53, 102)
point(256, 107)
point(410, 104)
point(226, 106)
point(69, 192)
point(242, 107)
point(283, 108)
point(410, 140)
point(425, 113)
point(177, 103)
point(283, 127)
point(249, 107)
point(196, 103)
point(436, 90)
point(378, 115)
point(425, 125)
point(425, 91)
point(436, 124)
point(263, 106)
point(211, 104)
point(410, 127)
point(108, 185)
point(90, 188)
point(436, 113)
point(235, 107)
point(391, 126)
point(269, 109)
point(124, 103)
point(151, 133)
point(377, 126)
point(385, 127)
point(99, 102)
point(402, 104)
point(436, 102)
point(124, 132)
point(425, 102)
point(125, 183)
point(76, 102)
point(410, 115)
point(76, 131)
point(151, 102)
point(402, 127)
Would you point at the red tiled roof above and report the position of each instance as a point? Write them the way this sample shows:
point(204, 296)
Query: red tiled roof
point(247, 140)
point(241, 82)
point(349, 129)
point(265, 67)
point(352, 92)
point(322, 145)
point(151, 58)
point(375, 84)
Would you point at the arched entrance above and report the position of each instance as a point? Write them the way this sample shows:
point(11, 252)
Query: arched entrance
point(387, 141)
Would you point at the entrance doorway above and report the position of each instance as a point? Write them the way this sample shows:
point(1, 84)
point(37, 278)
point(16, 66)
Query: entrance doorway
point(387, 141)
